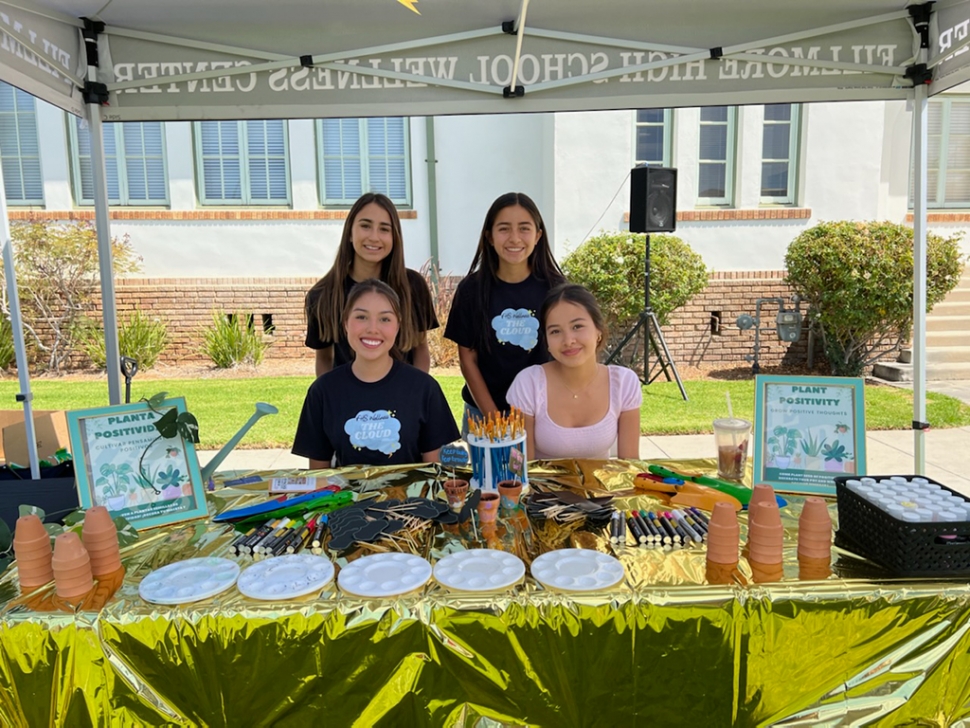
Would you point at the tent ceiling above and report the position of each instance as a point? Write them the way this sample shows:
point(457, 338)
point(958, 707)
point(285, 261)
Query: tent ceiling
point(240, 58)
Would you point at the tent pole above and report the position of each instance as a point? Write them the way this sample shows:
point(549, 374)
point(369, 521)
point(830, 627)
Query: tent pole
point(432, 162)
point(25, 396)
point(920, 107)
point(93, 97)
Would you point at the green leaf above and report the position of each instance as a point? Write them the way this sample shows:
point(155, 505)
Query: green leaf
point(127, 534)
point(28, 510)
point(6, 538)
point(156, 401)
point(188, 427)
point(167, 425)
point(74, 517)
point(54, 529)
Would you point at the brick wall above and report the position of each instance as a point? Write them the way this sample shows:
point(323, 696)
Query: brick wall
point(187, 304)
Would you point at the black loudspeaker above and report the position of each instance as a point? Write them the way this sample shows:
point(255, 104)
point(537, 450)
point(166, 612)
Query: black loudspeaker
point(653, 199)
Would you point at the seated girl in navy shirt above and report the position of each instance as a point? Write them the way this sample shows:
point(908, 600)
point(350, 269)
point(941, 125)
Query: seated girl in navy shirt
point(376, 410)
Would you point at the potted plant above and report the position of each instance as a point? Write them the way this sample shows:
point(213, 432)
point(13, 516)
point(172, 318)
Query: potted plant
point(812, 447)
point(113, 485)
point(782, 444)
point(834, 455)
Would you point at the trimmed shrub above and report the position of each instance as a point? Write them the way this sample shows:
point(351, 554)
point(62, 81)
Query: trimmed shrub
point(444, 352)
point(232, 340)
point(8, 355)
point(857, 278)
point(140, 338)
point(610, 265)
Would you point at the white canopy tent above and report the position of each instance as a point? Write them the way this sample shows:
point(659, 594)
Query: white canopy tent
point(133, 60)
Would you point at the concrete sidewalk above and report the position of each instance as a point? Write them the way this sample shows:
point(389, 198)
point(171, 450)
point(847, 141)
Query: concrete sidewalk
point(887, 453)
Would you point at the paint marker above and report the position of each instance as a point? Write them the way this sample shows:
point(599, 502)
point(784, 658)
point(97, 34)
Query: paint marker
point(269, 543)
point(694, 526)
point(665, 524)
point(639, 537)
point(257, 547)
point(655, 535)
point(685, 538)
point(699, 515)
point(682, 522)
point(261, 533)
point(649, 539)
point(615, 527)
point(317, 540)
point(666, 536)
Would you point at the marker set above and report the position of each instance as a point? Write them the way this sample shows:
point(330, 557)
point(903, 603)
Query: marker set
point(661, 529)
point(282, 536)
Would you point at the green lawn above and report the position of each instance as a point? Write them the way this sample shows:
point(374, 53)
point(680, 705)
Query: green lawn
point(223, 405)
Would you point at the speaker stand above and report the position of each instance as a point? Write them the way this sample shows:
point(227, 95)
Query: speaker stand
point(653, 337)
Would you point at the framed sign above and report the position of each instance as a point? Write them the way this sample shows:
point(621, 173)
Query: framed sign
point(808, 430)
point(122, 462)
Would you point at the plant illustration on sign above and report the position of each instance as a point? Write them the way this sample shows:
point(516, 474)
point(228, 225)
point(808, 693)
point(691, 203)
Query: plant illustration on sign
point(170, 425)
point(812, 447)
point(113, 484)
point(782, 443)
point(834, 454)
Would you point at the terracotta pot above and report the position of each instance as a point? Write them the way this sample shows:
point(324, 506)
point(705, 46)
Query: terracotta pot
point(725, 516)
point(761, 493)
point(766, 573)
point(100, 536)
point(814, 569)
point(810, 553)
point(764, 555)
point(488, 506)
point(456, 491)
point(722, 553)
point(766, 537)
point(72, 567)
point(720, 573)
point(32, 548)
point(764, 514)
point(509, 492)
point(717, 533)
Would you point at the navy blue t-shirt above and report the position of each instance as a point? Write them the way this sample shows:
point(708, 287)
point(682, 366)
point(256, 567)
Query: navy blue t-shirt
point(513, 331)
point(388, 422)
point(423, 313)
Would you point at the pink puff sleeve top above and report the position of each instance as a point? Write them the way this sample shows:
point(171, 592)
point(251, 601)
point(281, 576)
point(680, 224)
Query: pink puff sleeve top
point(529, 394)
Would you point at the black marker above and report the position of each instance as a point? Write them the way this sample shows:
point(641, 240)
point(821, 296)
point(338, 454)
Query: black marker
point(638, 536)
point(649, 538)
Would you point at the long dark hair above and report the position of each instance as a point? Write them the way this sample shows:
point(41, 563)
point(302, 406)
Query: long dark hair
point(372, 285)
point(329, 290)
point(484, 265)
point(577, 294)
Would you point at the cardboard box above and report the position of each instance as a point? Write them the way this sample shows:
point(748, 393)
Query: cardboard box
point(50, 428)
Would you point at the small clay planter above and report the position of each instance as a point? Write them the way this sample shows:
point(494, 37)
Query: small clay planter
point(722, 553)
point(32, 548)
point(814, 569)
point(488, 506)
point(766, 573)
point(100, 537)
point(72, 567)
point(720, 573)
point(764, 514)
point(509, 491)
point(761, 493)
point(766, 538)
point(456, 491)
point(725, 516)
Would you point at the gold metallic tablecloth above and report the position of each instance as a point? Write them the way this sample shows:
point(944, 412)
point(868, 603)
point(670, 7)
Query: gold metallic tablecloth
point(664, 648)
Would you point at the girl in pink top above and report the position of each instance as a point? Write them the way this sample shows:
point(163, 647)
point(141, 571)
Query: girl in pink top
point(574, 406)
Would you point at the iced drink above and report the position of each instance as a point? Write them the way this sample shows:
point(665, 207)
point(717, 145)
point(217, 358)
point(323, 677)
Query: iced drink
point(732, 435)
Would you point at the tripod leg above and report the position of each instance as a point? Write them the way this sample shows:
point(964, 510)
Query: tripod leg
point(663, 353)
point(617, 350)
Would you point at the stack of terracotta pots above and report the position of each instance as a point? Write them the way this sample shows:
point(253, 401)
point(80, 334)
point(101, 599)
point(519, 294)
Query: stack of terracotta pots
point(100, 538)
point(766, 538)
point(32, 547)
point(72, 567)
point(723, 542)
point(814, 541)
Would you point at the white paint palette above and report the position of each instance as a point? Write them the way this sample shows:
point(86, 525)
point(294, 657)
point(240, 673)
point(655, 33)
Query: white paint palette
point(286, 577)
point(577, 570)
point(384, 575)
point(479, 570)
point(189, 581)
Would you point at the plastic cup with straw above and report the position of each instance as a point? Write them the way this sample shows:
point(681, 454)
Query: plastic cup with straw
point(731, 435)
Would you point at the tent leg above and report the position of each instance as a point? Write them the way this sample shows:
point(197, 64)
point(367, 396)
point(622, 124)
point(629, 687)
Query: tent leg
point(919, 279)
point(103, 225)
point(16, 323)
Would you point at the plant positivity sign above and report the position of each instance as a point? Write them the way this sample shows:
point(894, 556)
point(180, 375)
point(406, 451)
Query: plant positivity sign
point(139, 461)
point(807, 431)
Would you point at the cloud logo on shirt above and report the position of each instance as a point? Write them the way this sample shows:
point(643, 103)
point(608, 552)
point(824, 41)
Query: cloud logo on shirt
point(379, 430)
point(517, 326)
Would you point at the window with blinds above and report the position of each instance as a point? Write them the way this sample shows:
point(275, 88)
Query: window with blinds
point(715, 173)
point(948, 154)
point(652, 145)
point(19, 147)
point(243, 162)
point(363, 155)
point(134, 162)
point(779, 153)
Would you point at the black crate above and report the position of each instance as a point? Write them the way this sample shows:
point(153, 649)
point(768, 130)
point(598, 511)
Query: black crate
point(904, 548)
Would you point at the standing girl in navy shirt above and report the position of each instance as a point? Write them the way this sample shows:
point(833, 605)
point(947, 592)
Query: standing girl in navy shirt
point(371, 246)
point(376, 410)
point(493, 314)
